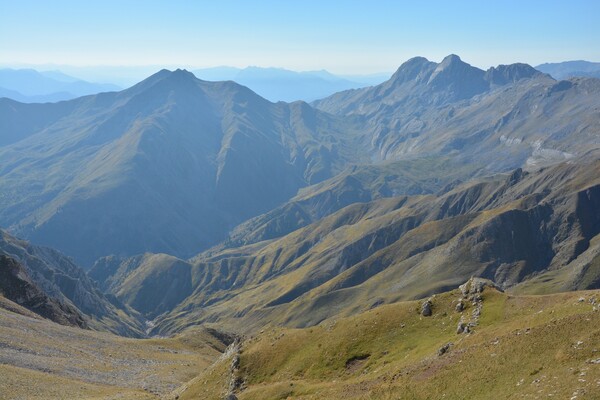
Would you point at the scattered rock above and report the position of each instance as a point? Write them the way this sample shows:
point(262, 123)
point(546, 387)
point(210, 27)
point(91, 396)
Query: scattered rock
point(235, 362)
point(444, 349)
point(462, 328)
point(426, 308)
point(460, 306)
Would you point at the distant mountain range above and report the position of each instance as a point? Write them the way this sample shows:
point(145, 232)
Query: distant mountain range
point(31, 86)
point(570, 69)
point(174, 163)
point(196, 201)
point(274, 84)
point(278, 84)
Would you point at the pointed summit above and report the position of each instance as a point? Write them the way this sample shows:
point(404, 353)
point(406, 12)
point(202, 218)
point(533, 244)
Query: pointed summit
point(183, 73)
point(451, 59)
point(415, 68)
point(453, 67)
point(456, 76)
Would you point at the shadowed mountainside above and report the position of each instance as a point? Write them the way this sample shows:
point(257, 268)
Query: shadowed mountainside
point(16, 286)
point(168, 165)
point(52, 278)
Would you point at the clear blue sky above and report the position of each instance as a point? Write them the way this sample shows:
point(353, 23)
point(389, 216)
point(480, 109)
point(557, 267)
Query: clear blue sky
point(341, 36)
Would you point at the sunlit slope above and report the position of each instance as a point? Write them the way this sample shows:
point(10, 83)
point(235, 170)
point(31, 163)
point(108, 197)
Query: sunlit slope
point(513, 228)
point(521, 346)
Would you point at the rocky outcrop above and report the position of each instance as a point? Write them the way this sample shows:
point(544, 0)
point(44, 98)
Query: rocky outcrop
point(235, 382)
point(472, 292)
point(61, 280)
point(16, 285)
point(475, 286)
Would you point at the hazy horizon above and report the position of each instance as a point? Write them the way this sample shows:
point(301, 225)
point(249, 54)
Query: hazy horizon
point(344, 38)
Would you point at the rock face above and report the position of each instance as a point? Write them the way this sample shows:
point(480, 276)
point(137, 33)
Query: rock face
point(487, 116)
point(16, 286)
point(58, 278)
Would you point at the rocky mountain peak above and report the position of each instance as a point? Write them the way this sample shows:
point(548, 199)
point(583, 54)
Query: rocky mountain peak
point(457, 77)
point(505, 74)
point(450, 60)
point(415, 68)
point(452, 67)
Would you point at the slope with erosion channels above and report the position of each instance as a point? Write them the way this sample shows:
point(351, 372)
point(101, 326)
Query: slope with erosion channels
point(168, 165)
point(357, 184)
point(155, 283)
point(17, 287)
point(50, 284)
point(535, 231)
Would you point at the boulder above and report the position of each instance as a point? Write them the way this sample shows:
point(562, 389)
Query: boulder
point(426, 308)
point(444, 349)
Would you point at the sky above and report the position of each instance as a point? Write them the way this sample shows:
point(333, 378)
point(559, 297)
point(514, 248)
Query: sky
point(344, 37)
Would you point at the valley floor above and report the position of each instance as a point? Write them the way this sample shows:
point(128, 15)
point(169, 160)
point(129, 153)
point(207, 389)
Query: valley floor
point(43, 360)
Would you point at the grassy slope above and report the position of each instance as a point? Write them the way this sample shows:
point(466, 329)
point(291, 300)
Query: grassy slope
point(43, 360)
point(509, 229)
point(524, 347)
